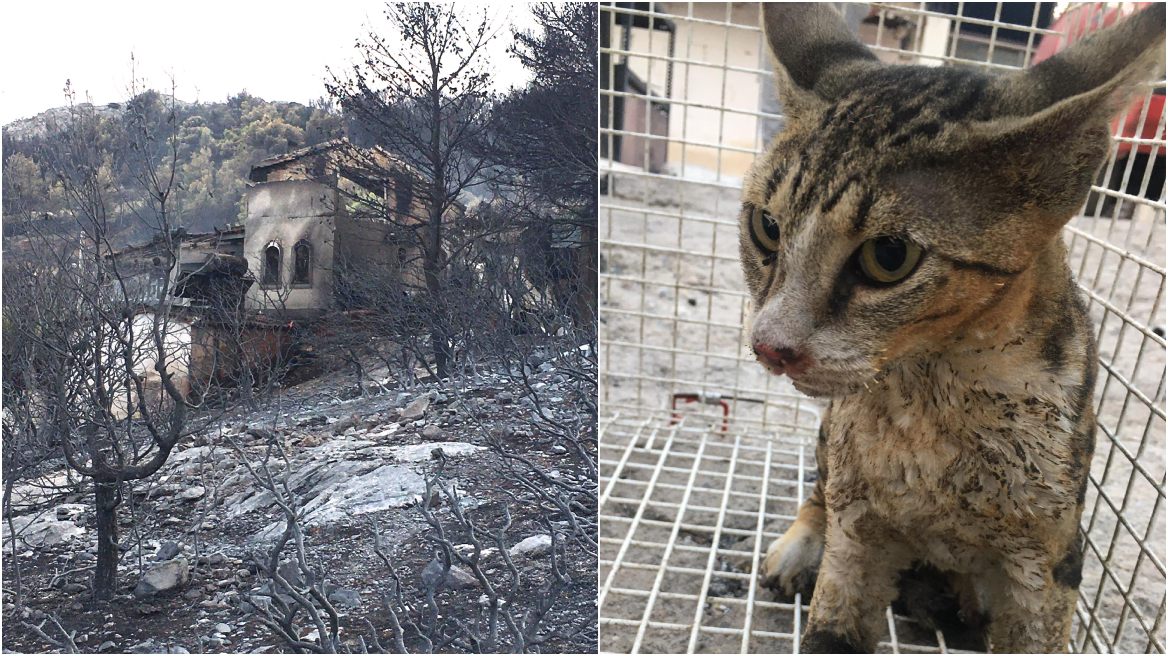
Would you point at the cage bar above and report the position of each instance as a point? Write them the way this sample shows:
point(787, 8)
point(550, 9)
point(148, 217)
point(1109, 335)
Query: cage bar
point(693, 494)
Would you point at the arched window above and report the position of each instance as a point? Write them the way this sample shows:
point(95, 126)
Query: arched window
point(302, 273)
point(272, 265)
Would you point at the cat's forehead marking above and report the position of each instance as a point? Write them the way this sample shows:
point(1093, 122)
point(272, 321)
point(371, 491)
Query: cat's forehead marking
point(840, 189)
point(875, 127)
point(885, 110)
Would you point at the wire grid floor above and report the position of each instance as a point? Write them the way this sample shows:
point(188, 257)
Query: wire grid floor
point(682, 510)
point(689, 505)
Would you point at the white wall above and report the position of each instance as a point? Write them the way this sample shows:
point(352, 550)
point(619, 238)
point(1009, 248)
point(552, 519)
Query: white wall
point(283, 213)
point(176, 353)
point(736, 45)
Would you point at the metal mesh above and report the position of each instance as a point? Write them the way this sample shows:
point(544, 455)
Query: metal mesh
point(705, 458)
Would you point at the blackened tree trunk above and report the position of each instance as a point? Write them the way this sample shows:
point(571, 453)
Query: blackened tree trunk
point(107, 379)
point(438, 332)
point(423, 95)
point(439, 338)
point(105, 576)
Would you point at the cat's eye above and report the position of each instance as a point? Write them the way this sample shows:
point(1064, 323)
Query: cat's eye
point(765, 229)
point(888, 259)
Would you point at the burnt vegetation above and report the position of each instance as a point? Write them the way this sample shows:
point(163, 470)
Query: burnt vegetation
point(194, 462)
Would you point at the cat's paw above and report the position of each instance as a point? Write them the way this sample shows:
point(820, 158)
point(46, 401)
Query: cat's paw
point(792, 562)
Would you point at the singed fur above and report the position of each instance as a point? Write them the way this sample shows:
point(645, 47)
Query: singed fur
point(961, 427)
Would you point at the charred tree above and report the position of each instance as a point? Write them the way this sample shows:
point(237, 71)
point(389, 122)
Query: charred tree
point(422, 95)
point(547, 136)
point(104, 374)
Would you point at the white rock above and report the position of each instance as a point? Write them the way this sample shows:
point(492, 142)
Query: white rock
point(192, 493)
point(467, 550)
point(346, 598)
point(43, 531)
point(223, 628)
point(350, 488)
point(536, 545)
point(460, 577)
point(164, 576)
point(421, 452)
point(385, 431)
point(416, 409)
point(484, 600)
point(70, 510)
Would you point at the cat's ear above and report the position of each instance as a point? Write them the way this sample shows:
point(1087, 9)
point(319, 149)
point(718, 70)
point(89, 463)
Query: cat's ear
point(1052, 130)
point(812, 49)
point(1114, 63)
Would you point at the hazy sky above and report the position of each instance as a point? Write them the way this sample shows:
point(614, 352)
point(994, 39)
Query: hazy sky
point(277, 51)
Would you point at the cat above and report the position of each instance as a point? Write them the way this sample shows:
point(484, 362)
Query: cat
point(901, 242)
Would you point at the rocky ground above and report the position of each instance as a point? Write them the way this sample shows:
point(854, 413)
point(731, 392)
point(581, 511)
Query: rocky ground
point(358, 463)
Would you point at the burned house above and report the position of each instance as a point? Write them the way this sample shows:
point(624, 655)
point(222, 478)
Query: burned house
point(211, 269)
point(314, 212)
point(207, 287)
point(310, 214)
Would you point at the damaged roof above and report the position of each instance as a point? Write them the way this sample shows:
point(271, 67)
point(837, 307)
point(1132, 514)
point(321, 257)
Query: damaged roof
point(257, 170)
point(183, 237)
point(382, 159)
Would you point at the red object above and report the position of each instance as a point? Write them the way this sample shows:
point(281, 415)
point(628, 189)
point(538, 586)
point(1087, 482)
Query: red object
point(694, 398)
point(1084, 19)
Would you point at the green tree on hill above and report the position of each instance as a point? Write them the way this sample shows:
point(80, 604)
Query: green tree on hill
point(217, 143)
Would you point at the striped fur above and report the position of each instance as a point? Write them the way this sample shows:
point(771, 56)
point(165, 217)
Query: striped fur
point(961, 426)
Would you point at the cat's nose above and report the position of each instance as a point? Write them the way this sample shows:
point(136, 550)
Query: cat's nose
point(783, 360)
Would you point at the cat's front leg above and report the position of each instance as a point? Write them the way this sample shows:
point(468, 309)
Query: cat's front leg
point(791, 564)
point(857, 581)
point(1015, 630)
point(1029, 620)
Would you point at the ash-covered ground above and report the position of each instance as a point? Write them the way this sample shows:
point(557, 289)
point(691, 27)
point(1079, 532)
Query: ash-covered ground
point(359, 463)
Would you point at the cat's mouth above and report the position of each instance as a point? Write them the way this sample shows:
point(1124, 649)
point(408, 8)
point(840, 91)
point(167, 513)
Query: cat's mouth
point(823, 383)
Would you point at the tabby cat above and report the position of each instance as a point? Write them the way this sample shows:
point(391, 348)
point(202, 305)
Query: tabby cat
point(901, 242)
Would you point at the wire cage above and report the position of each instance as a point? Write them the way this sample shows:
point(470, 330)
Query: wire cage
point(704, 457)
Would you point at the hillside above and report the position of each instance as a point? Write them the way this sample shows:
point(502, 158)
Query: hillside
point(218, 143)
